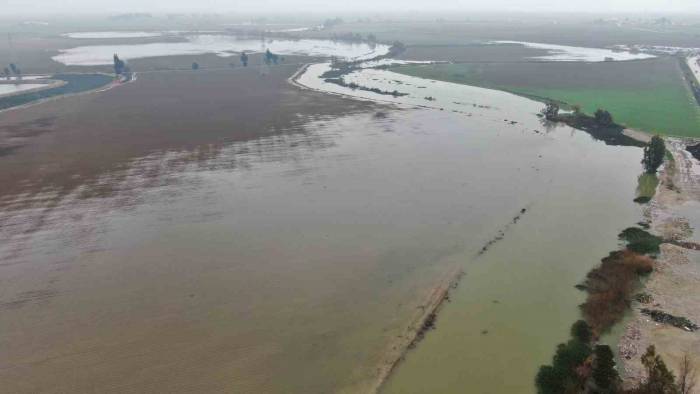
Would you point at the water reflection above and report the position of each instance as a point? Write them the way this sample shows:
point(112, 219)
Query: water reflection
point(221, 45)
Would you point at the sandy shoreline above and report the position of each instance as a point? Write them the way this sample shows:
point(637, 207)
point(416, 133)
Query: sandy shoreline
point(674, 284)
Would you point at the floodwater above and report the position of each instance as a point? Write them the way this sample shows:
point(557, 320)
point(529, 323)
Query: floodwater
point(565, 53)
point(290, 264)
point(517, 301)
point(464, 99)
point(221, 45)
point(12, 88)
point(113, 34)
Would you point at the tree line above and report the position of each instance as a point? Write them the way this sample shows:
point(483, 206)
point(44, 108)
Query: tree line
point(10, 70)
point(579, 366)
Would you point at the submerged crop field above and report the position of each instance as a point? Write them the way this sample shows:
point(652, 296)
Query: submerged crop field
point(648, 95)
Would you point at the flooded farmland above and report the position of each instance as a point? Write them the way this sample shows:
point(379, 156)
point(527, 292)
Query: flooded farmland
point(295, 260)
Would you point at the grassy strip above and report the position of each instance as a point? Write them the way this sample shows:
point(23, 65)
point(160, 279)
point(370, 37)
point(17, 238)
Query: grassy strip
point(646, 187)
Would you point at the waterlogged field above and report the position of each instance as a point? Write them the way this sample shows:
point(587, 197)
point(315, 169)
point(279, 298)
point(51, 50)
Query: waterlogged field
point(518, 296)
point(648, 95)
point(175, 231)
point(293, 254)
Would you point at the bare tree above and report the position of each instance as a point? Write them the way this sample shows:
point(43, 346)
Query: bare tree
point(687, 377)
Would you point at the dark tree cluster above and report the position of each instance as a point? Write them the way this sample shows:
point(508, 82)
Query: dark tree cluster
point(603, 118)
point(551, 111)
point(271, 58)
point(570, 364)
point(119, 65)
point(12, 69)
point(605, 376)
point(577, 368)
point(329, 23)
point(654, 154)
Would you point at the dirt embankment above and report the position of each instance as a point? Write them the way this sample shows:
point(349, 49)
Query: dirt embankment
point(674, 287)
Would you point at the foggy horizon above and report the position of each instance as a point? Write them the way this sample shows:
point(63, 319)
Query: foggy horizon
point(17, 8)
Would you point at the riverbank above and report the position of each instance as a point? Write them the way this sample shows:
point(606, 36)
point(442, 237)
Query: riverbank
point(673, 286)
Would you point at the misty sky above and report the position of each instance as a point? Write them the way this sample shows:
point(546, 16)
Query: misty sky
point(325, 6)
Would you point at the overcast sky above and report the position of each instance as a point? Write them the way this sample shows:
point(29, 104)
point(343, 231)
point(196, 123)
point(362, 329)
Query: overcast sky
point(73, 6)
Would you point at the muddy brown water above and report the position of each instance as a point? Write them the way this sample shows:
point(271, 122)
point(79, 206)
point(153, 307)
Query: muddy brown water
point(290, 260)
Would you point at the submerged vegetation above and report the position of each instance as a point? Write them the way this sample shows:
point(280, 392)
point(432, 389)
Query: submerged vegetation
point(601, 125)
point(352, 85)
point(341, 68)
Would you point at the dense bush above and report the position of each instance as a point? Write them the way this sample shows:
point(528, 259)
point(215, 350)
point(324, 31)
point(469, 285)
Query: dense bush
point(610, 288)
point(640, 241)
point(564, 375)
point(604, 374)
point(603, 118)
point(654, 154)
point(581, 331)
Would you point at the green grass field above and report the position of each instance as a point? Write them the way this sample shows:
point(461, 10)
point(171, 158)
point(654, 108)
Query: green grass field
point(646, 95)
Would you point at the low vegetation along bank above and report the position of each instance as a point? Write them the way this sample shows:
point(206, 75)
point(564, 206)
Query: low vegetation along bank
point(582, 365)
point(601, 125)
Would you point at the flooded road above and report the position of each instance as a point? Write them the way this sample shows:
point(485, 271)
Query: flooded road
point(294, 262)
